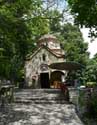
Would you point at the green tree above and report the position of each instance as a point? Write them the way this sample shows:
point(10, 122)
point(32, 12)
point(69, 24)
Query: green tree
point(55, 19)
point(85, 12)
point(91, 70)
point(74, 45)
point(75, 50)
point(20, 24)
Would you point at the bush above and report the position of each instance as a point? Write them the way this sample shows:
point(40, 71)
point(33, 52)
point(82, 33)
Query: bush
point(91, 84)
point(92, 105)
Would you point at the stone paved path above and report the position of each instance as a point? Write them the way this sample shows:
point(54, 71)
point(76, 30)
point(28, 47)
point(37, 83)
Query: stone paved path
point(39, 114)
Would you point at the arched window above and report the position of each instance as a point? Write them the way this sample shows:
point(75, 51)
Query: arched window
point(44, 57)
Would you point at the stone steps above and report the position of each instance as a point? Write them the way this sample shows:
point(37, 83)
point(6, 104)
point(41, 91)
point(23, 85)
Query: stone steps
point(39, 100)
point(37, 96)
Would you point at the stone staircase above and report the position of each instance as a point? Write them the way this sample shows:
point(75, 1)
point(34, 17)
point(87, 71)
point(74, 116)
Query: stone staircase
point(39, 96)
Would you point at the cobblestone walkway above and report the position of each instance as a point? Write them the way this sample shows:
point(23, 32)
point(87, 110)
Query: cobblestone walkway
point(39, 114)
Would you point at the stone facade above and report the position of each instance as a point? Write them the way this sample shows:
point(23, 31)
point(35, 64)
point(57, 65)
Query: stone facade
point(49, 51)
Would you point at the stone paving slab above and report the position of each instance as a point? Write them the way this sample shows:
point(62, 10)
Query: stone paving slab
point(39, 114)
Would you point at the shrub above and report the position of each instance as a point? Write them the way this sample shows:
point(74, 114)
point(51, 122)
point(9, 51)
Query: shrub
point(91, 84)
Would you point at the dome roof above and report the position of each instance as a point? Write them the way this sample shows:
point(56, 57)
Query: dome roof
point(47, 36)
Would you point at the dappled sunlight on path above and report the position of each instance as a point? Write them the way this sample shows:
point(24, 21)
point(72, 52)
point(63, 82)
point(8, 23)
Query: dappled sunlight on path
point(40, 114)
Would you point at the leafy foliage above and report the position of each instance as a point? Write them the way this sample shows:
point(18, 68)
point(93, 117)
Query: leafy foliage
point(19, 22)
point(74, 46)
point(75, 50)
point(85, 12)
point(91, 70)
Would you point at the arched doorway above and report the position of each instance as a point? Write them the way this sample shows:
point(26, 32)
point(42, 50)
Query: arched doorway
point(56, 79)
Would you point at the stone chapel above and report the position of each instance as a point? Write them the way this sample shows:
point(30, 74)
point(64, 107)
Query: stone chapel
point(37, 71)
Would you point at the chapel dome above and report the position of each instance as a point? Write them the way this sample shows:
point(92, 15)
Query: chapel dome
point(47, 37)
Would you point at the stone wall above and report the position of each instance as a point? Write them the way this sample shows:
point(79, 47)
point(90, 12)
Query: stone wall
point(86, 98)
point(73, 95)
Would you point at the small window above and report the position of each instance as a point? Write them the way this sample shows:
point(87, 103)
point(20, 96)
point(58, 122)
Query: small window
point(44, 57)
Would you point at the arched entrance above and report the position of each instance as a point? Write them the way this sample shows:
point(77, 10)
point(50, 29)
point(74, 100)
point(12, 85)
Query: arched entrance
point(56, 79)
